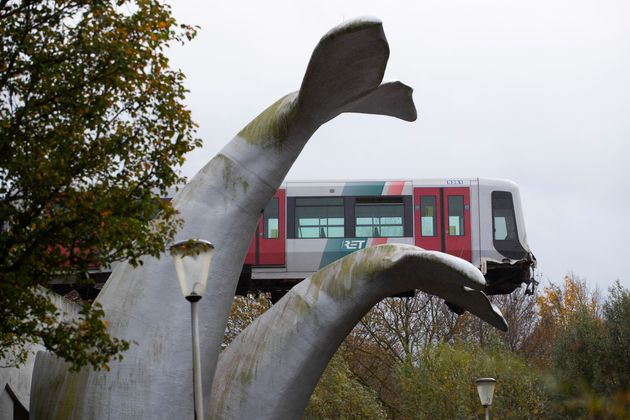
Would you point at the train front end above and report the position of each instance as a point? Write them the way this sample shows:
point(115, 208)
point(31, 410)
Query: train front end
point(505, 257)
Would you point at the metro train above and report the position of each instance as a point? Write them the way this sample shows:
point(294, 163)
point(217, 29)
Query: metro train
point(309, 224)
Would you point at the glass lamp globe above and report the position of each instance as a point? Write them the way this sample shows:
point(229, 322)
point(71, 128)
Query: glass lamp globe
point(192, 260)
point(485, 388)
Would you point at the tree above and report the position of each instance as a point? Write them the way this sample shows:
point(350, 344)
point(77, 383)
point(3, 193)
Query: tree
point(401, 327)
point(92, 129)
point(518, 309)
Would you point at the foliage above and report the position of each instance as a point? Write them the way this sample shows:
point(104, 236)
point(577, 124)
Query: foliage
point(562, 303)
point(616, 312)
point(339, 395)
point(591, 360)
point(244, 310)
point(579, 352)
point(412, 358)
point(520, 312)
point(557, 307)
point(92, 127)
point(441, 385)
point(392, 332)
point(401, 327)
point(397, 330)
point(375, 367)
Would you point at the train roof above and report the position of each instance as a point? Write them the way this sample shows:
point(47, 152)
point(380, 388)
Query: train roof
point(424, 182)
point(408, 183)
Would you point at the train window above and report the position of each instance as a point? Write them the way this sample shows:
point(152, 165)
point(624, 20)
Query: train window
point(377, 217)
point(504, 226)
point(503, 219)
point(319, 217)
point(428, 219)
point(456, 215)
point(500, 228)
point(270, 220)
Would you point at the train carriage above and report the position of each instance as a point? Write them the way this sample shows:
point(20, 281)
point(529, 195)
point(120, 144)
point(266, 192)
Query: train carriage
point(309, 224)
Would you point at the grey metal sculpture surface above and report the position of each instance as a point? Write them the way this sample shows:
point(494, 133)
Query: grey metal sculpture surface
point(288, 348)
point(270, 370)
point(222, 204)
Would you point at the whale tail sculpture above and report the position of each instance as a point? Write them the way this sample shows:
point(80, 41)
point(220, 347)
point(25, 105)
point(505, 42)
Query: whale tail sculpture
point(344, 74)
point(290, 345)
point(222, 204)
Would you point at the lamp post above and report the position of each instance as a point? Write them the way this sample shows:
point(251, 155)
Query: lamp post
point(485, 388)
point(192, 263)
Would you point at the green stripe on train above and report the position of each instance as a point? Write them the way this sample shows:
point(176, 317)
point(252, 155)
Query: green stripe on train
point(363, 188)
point(340, 247)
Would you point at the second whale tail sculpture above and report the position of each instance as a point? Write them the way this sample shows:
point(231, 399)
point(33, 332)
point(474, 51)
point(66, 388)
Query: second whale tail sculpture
point(270, 370)
point(221, 204)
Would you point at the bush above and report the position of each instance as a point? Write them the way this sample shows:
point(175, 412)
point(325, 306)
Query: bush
point(442, 385)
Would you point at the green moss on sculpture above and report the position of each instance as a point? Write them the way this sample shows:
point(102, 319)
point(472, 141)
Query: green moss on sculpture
point(271, 127)
point(354, 269)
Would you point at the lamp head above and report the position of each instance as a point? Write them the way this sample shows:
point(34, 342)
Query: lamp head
point(485, 388)
point(192, 260)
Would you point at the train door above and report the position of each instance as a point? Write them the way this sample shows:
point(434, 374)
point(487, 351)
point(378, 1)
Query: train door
point(427, 218)
point(268, 244)
point(457, 238)
point(442, 219)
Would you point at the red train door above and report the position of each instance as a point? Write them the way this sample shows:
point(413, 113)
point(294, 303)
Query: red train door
point(457, 238)
point(268, 244)
point(427, 218)
point(442, 220)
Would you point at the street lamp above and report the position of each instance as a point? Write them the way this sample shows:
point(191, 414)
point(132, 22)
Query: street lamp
point(192, 263)
point(485, 388)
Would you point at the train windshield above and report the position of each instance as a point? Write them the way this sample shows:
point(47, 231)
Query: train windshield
point(505, 233)
point(503, 219)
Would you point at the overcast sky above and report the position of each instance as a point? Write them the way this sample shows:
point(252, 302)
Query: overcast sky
point(533, 91)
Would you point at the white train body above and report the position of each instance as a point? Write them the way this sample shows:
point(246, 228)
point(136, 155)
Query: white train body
point(309, 224)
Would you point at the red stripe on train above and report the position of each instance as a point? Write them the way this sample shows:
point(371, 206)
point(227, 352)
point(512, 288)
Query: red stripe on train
point(377, 241)
point(394, 188)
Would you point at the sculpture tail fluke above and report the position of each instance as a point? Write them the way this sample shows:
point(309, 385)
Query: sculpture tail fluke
point(345, 74)
point(391, 98)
